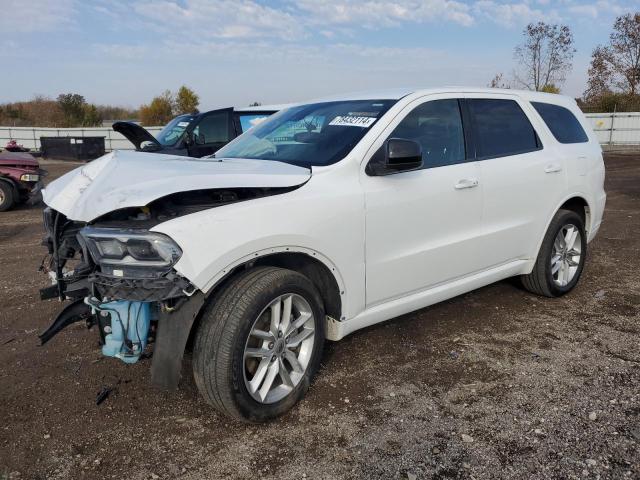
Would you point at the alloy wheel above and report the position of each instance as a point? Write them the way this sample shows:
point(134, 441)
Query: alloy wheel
point(279, 348)
point(566, 255)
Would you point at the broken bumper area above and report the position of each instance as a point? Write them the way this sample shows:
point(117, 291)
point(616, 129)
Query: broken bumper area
point(116, 279)
point(141, 289)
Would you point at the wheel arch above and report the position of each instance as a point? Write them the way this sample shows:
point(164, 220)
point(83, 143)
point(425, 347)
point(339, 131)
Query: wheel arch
point(12, 184)
point(575, 202)
point(315, 266)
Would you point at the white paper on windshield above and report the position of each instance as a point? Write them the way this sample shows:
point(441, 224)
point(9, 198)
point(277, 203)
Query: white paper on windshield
point(183, 124)
point(352, 121)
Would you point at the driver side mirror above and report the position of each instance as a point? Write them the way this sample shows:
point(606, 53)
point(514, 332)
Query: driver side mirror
point(396, 155)
point(188, 138)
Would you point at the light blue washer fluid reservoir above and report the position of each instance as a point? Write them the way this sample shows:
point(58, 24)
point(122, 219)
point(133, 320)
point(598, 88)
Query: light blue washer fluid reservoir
point(127, 335)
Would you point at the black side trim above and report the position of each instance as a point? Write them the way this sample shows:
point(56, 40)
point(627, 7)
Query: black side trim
point(467, 128)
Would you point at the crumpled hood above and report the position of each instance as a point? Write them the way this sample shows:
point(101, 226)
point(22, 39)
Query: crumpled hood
point(124, 179)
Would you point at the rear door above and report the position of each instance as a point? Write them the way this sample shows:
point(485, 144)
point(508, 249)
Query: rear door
point(212, 131)
point(523, 176)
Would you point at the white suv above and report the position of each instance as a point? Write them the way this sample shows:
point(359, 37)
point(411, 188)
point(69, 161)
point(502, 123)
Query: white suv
point(326, 218)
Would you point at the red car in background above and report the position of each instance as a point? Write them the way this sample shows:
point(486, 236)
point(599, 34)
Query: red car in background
point(20, 179)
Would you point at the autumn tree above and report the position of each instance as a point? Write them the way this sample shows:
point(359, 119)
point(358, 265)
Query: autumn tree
point(72, 106)
point(545, 57)
point(616, 67)
point(159, 111)
point(186, 101)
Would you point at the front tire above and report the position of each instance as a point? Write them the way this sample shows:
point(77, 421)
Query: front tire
point(561, 258)
point(259, 344)
point(6, 197)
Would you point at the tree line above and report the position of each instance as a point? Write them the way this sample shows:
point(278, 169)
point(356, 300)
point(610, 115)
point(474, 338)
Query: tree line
point(545, 57)
point(72, 110)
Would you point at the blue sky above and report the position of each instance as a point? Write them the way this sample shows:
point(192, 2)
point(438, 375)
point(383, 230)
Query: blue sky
point(236, 52)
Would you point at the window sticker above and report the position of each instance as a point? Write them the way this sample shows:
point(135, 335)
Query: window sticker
point(352, 121)
point(183, 124)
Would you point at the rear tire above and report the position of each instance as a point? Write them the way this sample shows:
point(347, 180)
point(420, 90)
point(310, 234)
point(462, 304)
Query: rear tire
point(561, 258)
point(245, 365)
point(6, 197)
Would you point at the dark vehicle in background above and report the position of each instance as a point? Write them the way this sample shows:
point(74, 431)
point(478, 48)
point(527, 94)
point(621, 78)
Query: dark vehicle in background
point(20, 179)
point(196, 135)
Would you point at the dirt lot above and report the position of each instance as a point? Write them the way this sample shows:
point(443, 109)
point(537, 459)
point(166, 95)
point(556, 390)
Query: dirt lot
point(495, 384)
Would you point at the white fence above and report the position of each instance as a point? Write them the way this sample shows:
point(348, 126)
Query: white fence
point(30, 137)
point(610, 128)
point(616, 128)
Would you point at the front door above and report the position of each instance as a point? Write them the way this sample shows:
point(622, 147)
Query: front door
point(421, 226)
point(211, 132)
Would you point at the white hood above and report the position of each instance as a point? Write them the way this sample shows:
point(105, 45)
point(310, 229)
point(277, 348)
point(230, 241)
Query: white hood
point(123, 179)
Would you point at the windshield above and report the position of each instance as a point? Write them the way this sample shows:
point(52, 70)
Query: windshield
point(250, 120)
point(173, 131)
point(309, 135)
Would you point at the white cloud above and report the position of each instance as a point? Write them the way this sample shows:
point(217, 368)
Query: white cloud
point(383, 13)
point(219, 18)
point(513, 14)
point(36, 15)
point(122, 51)
point(584, 10)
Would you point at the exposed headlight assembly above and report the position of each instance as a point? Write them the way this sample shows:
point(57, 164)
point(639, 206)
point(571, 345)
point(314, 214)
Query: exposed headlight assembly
point(109, 246)
point(30, 177)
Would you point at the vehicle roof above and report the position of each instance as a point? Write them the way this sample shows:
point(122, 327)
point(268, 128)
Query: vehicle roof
point(396, 94)
point(264, 108)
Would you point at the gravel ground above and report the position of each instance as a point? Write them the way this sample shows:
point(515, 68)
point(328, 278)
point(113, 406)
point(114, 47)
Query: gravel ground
point(493, 384)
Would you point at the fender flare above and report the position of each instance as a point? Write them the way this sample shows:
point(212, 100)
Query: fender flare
point(314, 254)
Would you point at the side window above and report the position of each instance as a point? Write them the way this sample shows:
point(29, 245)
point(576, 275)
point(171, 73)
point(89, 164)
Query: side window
point(437, 126)
point(562, 123)
point(213, 128)
point(501, 128)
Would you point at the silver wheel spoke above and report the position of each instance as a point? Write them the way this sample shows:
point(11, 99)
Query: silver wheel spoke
point(261, 334)
point(293, 360)
point(556, 266)
point(272, 372)
point(297, 339)
point(276, 308)
point(284, 374)
point(256, 353)
point(565, 273)
point(286, 313)
point(261, 371)
point(570, 238)
point(299, 322)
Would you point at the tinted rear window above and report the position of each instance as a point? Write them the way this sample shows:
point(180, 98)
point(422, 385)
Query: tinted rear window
point(501, 128)
point(562, 123)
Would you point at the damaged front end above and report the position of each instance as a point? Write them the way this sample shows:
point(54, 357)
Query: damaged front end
point(119, 276)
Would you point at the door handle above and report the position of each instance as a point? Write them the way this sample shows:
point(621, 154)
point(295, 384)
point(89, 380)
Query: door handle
point(466, 183)
point(553, 168)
